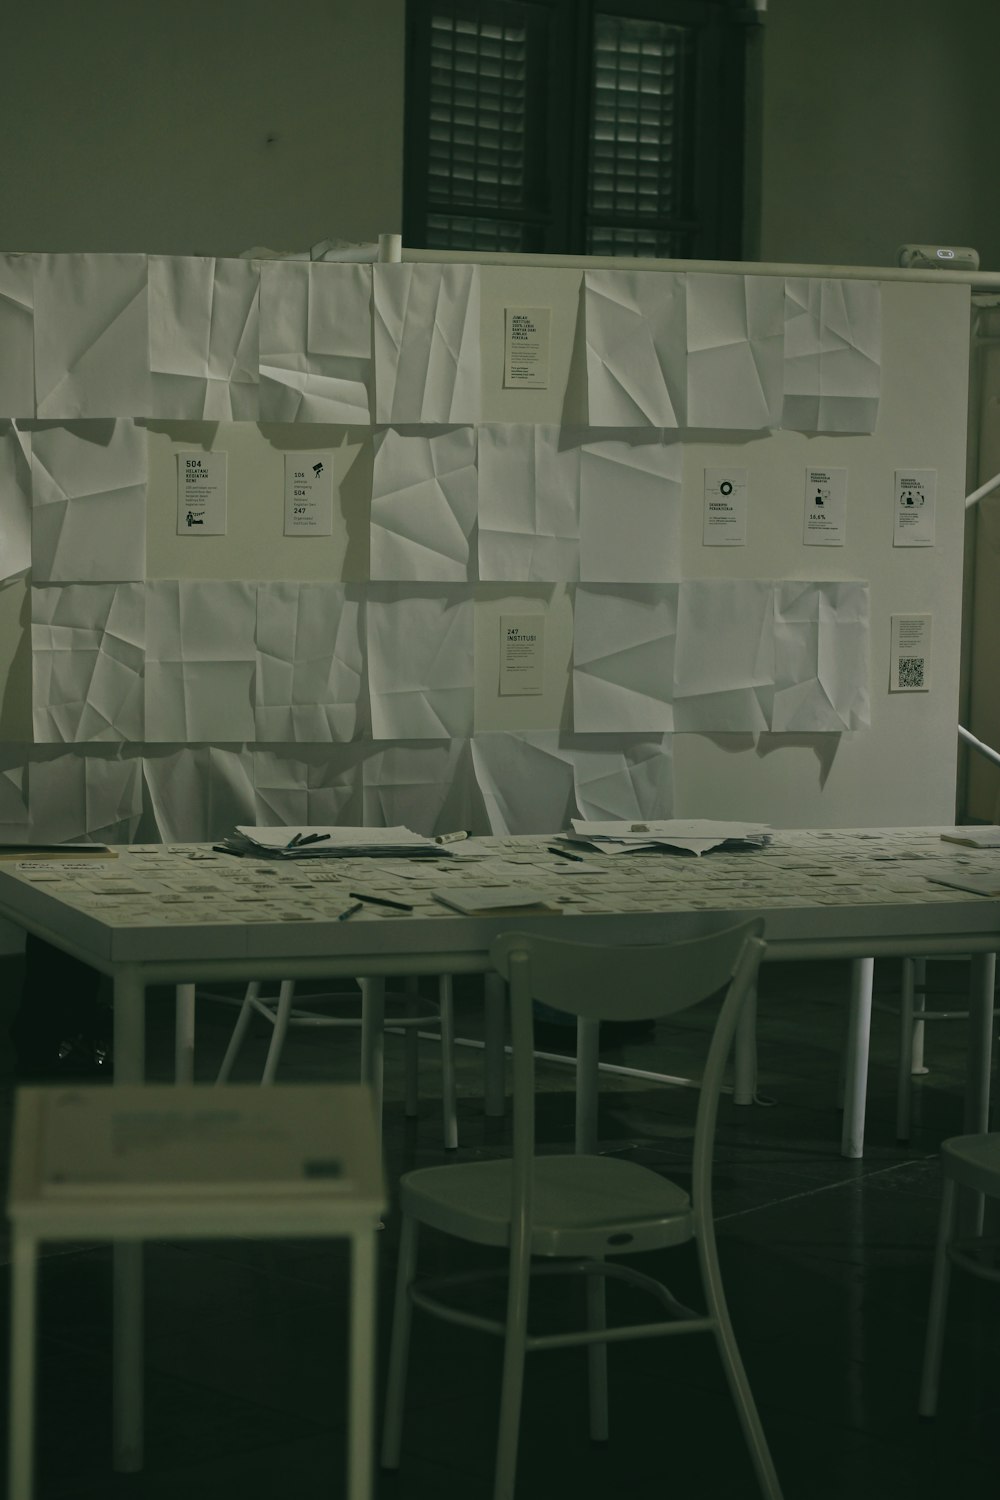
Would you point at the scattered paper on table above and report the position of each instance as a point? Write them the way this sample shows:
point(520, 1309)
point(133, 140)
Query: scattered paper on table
point(203, 338)
point(200, 660)
point(424, 499)
point(89, 509)
point(15, 500)
point(426, 343)
point(821, 642)
point(421, 663)
point(92, 336)
point(309, 661)
point(199, 792)
point(735, 342)
point(636, 348)
point(315, 342)
point(17, 335)
point(87, 662)
point(833, 352)
point(724, 662)
point(623, 658)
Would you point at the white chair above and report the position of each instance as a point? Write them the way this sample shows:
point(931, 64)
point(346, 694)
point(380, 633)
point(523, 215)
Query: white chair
point(577, 1210)
point(915, 987)
point(973, 1162)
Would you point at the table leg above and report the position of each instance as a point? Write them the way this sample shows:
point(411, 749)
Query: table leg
point(979, 1057)
point(130, 1031)
point(494, 1017)
point(745, 1052)
point(184, 1034)
point(587, 1053)
point(23, 1340)
point(361, 1384)
point(852, 1141)
point(373, 1043)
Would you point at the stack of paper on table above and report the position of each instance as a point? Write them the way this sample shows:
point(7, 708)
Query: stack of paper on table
point(974, 838)
point(497, 901)
point(331, 843)
point(693, 835)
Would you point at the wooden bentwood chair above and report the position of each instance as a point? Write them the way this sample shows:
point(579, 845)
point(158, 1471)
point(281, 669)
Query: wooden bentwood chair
point(580, 1209)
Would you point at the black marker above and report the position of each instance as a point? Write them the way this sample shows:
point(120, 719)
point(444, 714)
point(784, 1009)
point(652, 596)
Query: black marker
point(565, 854)
point(379, 901)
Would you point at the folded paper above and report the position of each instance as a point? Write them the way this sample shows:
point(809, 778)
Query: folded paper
point(308, 662)
point(199, 792)
point(423, 515)
point(636, 341)
point(623, 657)
point(735, 342)
point(17, 335)
point(15, 500)
point(832, 359)
point(79, 796)
point(429, 788)
point(309, 785)
point(89, 503)
point(200, 660)
point(724, 661)
point(87, 662)
point(203, 338)
point(821, 643)
point(426, 343)
point(315, 342)
point(420, 662)
point(14, 817)
point(92, 336)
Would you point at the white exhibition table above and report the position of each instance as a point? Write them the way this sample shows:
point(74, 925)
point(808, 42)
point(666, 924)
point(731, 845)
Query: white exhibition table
point(184, 913)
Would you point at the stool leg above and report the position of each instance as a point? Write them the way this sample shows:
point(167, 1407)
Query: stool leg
point(745, 1051)
point(447, 1011)
point(927, 1404)
point(919, 1004)
point(597, 1356)
point(494, 1018)
point(22, 1366)
point(184, 1034)
point(907, 1043)
point(126, 1344)
point(852, 1142)
point(239, 1031)
point(362, 1366)
point(281, 1018)
point(373, 1043)
point(411, 1051)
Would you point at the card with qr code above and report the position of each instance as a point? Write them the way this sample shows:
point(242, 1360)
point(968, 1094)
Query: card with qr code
point(909, 654)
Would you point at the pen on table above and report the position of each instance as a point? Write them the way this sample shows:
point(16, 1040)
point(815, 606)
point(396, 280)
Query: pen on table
point(297, 840)
point(380, 901)
point(565, 854)
point(349, 911)
point(452, 838)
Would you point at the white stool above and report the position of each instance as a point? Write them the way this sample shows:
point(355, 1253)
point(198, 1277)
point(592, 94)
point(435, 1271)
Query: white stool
point(130, 1163)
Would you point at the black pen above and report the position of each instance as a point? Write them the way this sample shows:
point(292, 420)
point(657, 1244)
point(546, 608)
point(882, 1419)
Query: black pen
point(565, 854)
point(297, 841)
point(349, 911)
point(380, 901)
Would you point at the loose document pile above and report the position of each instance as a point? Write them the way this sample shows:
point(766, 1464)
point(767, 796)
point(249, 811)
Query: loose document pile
point(330, 843)
point(687, 835)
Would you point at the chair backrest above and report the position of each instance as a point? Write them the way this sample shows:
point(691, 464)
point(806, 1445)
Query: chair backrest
point(623, 983)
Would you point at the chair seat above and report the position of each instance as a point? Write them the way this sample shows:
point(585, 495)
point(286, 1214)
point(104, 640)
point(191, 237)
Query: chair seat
point(583, 1205)
point(974, 1161)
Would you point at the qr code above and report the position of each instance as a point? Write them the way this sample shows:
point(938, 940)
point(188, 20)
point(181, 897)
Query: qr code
point(911, 671)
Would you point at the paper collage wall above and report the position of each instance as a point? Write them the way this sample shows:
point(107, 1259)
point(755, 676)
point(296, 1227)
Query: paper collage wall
point(175, 707)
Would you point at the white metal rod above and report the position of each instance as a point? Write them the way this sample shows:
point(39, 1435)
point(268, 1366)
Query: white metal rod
point(983, 490)
point(986, 750)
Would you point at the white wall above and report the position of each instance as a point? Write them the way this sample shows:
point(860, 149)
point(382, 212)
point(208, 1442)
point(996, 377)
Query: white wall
point(200, 126)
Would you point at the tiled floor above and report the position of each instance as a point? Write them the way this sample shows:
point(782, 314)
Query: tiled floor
point(826, 1265)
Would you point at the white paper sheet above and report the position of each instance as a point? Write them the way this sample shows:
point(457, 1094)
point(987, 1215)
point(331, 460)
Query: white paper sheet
point(623, 658)
point(309, 662)
point(724, 663)
point(424, 498)
point(15, 500)
point(630, 511)
point(529, 503)
point(315, 342)
point(630, 779)
point(832, 364)
point(421, 662)
point(636, 348)
point(200, 660)
point(89, 503)
point(17, 335)
point(79, 796)
point(303, 785)
point(426, 343)
point(735, 343)
point(199, 792)
point(203, 338)
point(87, 662)
point(14, 818)
point(92, 336)
point(821, 657)
point(427, 788)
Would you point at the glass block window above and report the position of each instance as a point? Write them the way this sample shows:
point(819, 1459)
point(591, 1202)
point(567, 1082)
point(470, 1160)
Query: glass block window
point(476, 131)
